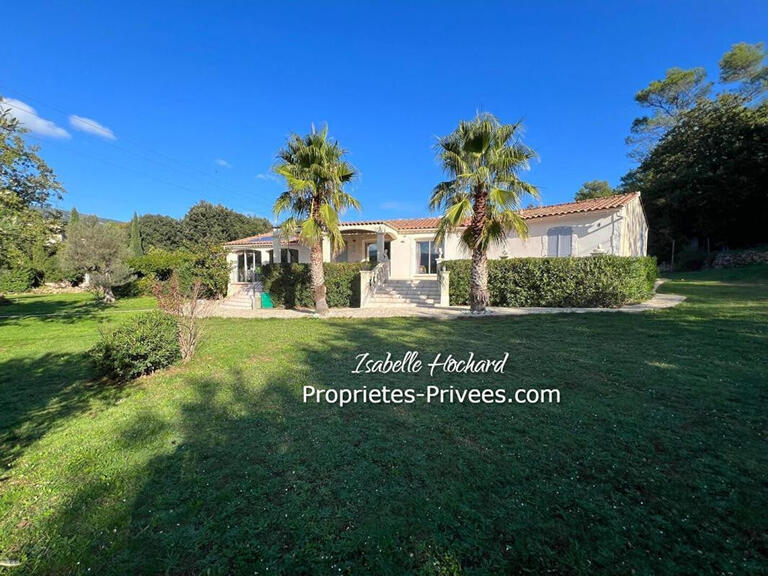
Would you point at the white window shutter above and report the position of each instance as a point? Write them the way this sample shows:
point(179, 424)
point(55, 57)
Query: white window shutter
point(552, 242)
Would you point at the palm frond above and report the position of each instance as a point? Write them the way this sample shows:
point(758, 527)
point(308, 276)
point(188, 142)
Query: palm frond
point(483, 156)
point(315, 173)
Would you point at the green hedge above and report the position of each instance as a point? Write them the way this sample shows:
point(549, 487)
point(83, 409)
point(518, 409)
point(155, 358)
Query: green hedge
point(289, 284)
point(208, 265)
point(17, 280)
point(143, 286)
point(591, 282)
point(160, 263)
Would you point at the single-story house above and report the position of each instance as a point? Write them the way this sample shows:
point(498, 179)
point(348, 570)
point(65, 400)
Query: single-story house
point(612, 225)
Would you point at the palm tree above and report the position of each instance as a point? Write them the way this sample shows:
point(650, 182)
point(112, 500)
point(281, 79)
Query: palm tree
point(483, 159)
point(315, 171)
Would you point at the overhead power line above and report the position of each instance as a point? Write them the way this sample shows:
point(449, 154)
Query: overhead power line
point(147, 154)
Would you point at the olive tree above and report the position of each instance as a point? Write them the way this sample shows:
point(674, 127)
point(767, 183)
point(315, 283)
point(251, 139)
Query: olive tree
point(99, 250)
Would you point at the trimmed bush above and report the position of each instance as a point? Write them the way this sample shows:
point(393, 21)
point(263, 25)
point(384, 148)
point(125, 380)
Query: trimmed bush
point(208, 265)
point(141, 345)
point(289, 284)
point(210, 268)
point(17, 280)
point(139, 287)
point(160, 263)
point(591, 282)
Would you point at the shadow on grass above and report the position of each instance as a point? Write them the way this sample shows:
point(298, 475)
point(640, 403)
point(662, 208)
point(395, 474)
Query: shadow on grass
point(621, 476)
point(38, 392)
point(52, 308)
point(653, 462)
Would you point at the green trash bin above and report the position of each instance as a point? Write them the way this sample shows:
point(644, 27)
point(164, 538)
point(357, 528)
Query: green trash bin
point(266, 301)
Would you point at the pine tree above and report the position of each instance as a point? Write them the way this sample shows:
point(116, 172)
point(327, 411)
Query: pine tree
point(135, 244)
point(74, 216)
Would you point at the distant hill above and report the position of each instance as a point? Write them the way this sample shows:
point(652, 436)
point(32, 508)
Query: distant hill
point(65, 218)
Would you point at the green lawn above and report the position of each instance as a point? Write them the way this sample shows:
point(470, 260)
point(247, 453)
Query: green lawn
point(655, 461)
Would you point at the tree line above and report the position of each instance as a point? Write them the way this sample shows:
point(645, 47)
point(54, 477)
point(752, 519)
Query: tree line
point(204, 224)
point(703, 169)
point(40, 244)
point(702, 157)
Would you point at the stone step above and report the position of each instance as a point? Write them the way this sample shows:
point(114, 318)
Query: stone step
point(385, 290)
point(236, 305)
point(238, 301)
point(407, 294)
point(400, 305)
point(396, 300)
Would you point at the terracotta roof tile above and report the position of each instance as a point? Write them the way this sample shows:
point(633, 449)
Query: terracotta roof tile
point(607, 203)
point(591, 205)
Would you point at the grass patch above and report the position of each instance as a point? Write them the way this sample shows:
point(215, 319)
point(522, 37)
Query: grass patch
point(654, 461)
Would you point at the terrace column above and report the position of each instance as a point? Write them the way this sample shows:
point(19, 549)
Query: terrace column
point(327, 249)
point(380, 244)
point(276, 245)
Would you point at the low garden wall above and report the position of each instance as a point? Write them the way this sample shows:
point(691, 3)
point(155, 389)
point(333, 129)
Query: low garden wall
point(289, 284)
point(740, 258)
point(591, 282)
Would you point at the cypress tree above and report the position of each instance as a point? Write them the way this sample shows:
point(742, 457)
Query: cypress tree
point(135, 244)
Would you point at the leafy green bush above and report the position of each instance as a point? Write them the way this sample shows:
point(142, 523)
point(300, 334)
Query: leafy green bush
point(210, 268)
point(289, 284)
point(16, 280)
point(141, 345)
point(160, 263)
point(208, 265)
point(597, 281)
point(139, 287)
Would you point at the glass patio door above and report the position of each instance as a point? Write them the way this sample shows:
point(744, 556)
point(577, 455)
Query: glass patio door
point(426, 257)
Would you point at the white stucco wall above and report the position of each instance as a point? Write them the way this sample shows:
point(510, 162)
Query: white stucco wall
point(634, 232)
point(403, 251)
point(622, 231)
point(588, 231)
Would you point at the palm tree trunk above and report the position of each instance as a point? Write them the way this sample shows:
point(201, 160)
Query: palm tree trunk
point(479, 297)
point(318, 278)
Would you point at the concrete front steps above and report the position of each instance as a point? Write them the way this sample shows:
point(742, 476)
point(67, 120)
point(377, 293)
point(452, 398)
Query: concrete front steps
point(238, 301)
point(406, 293)
point(247, 298)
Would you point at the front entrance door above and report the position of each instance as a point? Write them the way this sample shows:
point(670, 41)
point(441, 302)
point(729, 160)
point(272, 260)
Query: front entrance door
point(426, 257)
point(372, 251)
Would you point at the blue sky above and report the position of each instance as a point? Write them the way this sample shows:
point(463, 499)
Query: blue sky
point(154, 106)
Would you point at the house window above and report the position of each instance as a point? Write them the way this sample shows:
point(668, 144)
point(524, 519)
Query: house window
point(289, 256)
point(372, 252)
point(426, 257)
point(246, 265)
point(241, 267)
point(559, 241)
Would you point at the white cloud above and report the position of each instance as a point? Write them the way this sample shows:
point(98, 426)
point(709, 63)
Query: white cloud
point(91, 126)
point(223, 163)
point(267, 176)
point(28, 118)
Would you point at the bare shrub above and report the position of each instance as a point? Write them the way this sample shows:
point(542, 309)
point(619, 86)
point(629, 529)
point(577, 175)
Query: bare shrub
point(185, 306)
